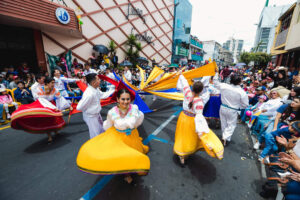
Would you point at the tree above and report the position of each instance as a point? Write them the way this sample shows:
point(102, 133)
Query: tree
point(134, 47)
point(112, 47)
point(259, 58)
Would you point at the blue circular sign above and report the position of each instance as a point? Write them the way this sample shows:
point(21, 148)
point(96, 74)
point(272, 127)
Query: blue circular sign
point(62, 15)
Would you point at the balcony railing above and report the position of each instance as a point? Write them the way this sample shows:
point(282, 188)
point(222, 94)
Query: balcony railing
point(281, 38)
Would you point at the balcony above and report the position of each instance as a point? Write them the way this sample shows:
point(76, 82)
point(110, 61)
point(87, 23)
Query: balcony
point(281, 38)
point(197, 44)
point(197, 57)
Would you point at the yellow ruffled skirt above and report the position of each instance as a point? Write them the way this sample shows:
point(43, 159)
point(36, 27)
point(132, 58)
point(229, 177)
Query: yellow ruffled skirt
point(113, 152)
point(188, 142)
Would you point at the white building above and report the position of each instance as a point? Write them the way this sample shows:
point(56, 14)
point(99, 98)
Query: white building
point(212, 51)
point(267, 23)
point(235, 46)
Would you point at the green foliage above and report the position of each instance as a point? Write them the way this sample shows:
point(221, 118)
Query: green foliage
point(134, 47)
point(112, 46)
point(259, 58)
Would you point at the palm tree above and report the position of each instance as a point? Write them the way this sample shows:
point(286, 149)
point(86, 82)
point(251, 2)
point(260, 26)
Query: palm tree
point(134, 47)
point(112, 47)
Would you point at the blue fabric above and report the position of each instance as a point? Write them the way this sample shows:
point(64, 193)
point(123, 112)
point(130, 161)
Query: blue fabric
point(1, 111)
point(270, 141)
point(126, 131)
point(293, 190)
point(212, 107)
point(282, 108)
point(18, 94)
point(141, 104)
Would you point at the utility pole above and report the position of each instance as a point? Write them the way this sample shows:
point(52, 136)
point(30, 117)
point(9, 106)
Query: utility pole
point(267, 3)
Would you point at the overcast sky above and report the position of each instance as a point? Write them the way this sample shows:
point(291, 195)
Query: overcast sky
point(220, 19)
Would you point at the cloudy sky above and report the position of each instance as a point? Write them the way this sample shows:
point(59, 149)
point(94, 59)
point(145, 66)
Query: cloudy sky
point(220, 19)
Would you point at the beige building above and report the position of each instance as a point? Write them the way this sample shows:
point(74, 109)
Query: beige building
point(150, 20)
point(226, 57)
point(286, 45)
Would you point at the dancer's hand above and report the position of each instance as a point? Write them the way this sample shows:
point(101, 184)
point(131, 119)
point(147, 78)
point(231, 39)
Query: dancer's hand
point(294, 176)
point(281, 140)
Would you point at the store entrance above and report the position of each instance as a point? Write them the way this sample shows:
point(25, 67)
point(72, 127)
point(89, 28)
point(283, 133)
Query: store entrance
point(17, 46)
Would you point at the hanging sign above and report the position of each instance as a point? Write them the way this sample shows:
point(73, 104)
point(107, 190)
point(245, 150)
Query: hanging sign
point(62, 15)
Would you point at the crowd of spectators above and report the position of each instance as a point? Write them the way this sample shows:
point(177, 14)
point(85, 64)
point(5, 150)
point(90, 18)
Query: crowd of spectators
point(274, 120)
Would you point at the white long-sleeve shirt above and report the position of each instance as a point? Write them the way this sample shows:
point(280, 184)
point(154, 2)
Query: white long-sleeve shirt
point(59, 82)
point(232, 95)
point(197, 108)
point(90, 101)
point(35, 90)
point(271, 106)
point(128, 76)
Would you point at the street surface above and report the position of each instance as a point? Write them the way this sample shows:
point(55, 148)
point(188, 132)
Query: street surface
point(32, 169)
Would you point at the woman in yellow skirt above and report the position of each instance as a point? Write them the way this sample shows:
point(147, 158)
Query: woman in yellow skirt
point(192, 132)
point(119, 150)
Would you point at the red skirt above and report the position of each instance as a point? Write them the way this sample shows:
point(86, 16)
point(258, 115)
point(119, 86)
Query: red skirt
point(35, 118)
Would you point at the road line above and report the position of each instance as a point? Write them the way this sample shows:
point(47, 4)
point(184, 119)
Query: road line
point(5, 127)
point(102, 183)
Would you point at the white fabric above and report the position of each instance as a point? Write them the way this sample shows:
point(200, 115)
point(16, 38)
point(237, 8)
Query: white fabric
point(197, 108)
point(213, 90)
point(228, 118)
point(35, 90)
point(47, 103)
point(102, 68)
point(95, 124)
point(234, 97)
point(271, 106)
point(109, 85)
point(61, 102)
point(6, 106)
point(90, 101)
point(133, 118)
point(128, 76)
point(90, 71)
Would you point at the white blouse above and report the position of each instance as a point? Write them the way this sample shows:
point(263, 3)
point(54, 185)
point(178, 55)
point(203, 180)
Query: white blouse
point(197, 108)
point(132, 119)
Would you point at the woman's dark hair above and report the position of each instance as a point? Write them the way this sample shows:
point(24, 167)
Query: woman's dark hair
point(122, 91)
point(48, 80)
point(235, 80)
point(21, 82)
point(197, 89)
point(90, 78)
point(38, 77)
point(297, 91)
point(287, 112)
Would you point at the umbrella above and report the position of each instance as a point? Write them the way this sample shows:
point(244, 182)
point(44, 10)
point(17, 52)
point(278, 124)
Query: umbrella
point(101, 49)
point(142, 59)
point(125, 63)
point(173, 65)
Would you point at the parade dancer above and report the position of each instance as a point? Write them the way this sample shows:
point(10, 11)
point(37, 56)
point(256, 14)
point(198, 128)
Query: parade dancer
point(205, 94)
point(90, 105)
point(233, 98)
point(119, 150)
point(60, 82)
point(191, 123)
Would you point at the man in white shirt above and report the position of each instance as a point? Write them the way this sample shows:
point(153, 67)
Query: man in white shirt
point(233, 99)
point(90, 105)
point(88, 70)
point(102, 67)
point(127, 74)
point(59, 82)
point(39, 82)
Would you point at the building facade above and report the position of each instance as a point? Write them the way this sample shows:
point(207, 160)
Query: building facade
point(267, 23)
point(90, 22)
point(286, 45)
point(235, 46)
point(196, 50)
point(226, 57)
point(182, 29)
point(212, 51)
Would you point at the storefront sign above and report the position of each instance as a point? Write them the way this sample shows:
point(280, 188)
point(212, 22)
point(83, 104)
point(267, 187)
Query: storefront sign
point(181, 51)
point(62, 15)
point(135, 11)
point(143, 37)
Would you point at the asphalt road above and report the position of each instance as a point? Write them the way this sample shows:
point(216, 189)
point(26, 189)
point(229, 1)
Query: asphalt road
point(31, 169)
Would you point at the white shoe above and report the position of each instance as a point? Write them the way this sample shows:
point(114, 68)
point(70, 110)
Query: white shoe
point(260, 159)
point(256, 145)
point(8, 116)
point(284, 174)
